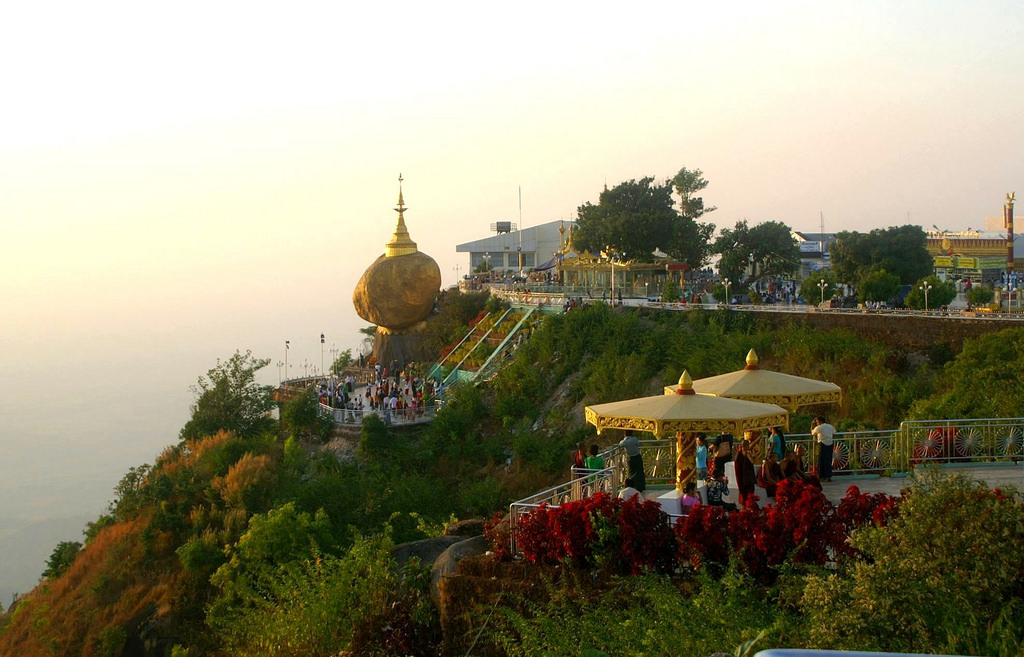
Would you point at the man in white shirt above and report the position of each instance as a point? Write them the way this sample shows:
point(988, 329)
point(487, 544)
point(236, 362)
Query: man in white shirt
point(824, 433)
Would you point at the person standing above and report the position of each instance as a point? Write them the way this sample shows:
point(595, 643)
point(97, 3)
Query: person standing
point(594, 462)
point(778, 444)
point(746, 476)
point(702, 457)
point(824, 433)
point(579, 456)
point(636, 477)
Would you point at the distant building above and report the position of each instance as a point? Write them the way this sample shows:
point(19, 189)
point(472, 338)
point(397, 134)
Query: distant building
point(981, 256)
point(813, 251)
point(512, 250)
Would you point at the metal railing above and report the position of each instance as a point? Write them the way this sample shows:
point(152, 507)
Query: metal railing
point(398, 416)
point(584, 483)
point(882, 453)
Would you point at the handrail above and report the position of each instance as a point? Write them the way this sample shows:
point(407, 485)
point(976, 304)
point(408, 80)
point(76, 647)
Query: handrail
point(501, 346)
point(467, 336)
point(478, 342)
point(890, 452)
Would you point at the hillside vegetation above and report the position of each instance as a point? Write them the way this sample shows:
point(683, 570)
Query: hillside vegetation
point(245, 538)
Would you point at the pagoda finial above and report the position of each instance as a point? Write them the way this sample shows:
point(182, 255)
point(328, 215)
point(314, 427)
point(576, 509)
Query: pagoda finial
point(401, 243)
point(685, 384)
point(752, 361)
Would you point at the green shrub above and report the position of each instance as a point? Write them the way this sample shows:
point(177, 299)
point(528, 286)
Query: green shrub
point(943, 577)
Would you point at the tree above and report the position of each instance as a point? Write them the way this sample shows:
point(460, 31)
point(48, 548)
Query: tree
point(985, 380)
point(670, 293)
point(301, 416)
point(879, 285)
point(940, 293)
point(687, 183)
point(229, 398)
point(61, 558)
point(634, 218)
point(343, 360)
point(811, 290)
point(900, 251)
point(980, 295)
point(369, 334)
point(766, 251)
point(637, 217)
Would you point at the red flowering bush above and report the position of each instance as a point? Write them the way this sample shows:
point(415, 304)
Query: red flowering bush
point(808, 520)
point(859, 509)
point(626, 536)
point(802, 525)
point(631, 536)
point(702, 536)
point(645, 537)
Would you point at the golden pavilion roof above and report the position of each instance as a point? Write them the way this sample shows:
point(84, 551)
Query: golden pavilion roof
point(754, 384)
point(687, 411)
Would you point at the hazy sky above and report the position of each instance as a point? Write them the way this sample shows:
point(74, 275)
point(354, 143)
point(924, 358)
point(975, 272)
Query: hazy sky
point(178, 182)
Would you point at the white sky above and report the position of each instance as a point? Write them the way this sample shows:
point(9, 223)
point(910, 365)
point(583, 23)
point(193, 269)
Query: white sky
point(183, 180)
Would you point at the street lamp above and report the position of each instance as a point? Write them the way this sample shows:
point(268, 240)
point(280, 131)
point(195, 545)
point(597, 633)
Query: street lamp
point(322, 353)
point(280, 364)
point(726, 282)
point(286, 347)
point(457, 279)
point(646, 296)
point(821, 286)
point(612, 257)
point(924, 288)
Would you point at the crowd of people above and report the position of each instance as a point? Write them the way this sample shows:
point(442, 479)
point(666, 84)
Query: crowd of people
point(395, 394)
point(779, 463)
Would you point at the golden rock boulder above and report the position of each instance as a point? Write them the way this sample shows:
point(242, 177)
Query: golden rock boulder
point(396, 292)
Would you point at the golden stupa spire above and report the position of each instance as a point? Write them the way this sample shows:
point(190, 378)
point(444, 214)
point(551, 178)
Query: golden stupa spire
point(401, 243)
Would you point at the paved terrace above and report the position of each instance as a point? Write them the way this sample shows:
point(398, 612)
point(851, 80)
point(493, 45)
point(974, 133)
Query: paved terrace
point(988, 450)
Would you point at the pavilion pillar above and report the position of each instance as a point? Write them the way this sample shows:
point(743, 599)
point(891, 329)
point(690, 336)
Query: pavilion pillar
point(686, 453)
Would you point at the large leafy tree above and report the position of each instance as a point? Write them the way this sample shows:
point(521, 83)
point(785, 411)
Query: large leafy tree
point(634, 218)
point(229, 398)
point(898, 250)
point(752, 253)
point(638, 216)
point(879, 285)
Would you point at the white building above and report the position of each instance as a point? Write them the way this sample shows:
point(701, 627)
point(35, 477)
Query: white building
point(513, 250)
point(813, 251)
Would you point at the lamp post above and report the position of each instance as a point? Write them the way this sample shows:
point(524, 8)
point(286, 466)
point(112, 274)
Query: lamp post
point(322, 370)
point(925, 288)
point(280, 364)
point(646, 296)
point(821, 286)
point(726, 282)
point(457, 279)
point(286, 347)
point(334, 356)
